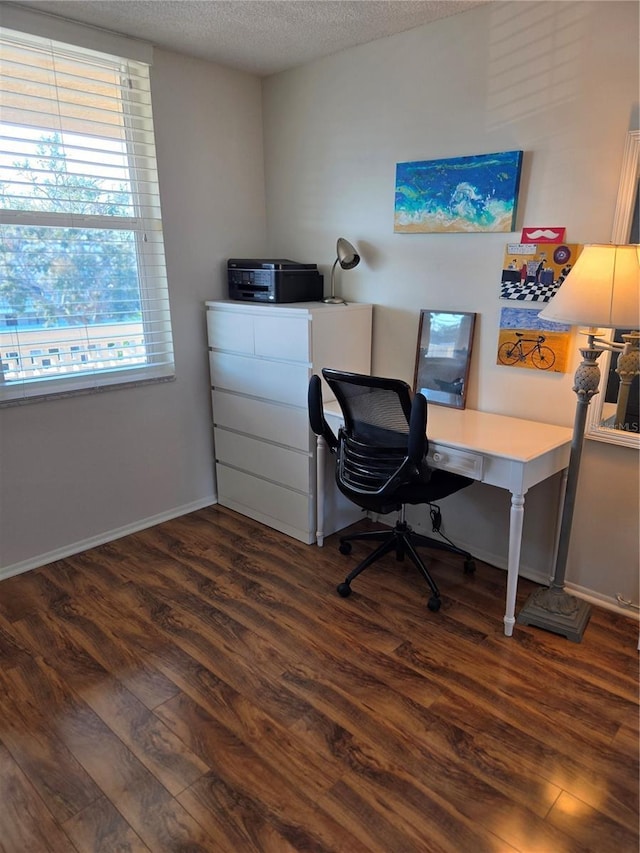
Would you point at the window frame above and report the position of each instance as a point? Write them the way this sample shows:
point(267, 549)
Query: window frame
point(145, 224)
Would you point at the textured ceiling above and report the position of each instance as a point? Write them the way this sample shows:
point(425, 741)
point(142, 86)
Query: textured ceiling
point(259, 36)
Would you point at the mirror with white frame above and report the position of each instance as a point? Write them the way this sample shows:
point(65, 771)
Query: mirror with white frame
point(610, 418)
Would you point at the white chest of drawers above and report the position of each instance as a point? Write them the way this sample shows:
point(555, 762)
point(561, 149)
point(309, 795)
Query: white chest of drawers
point(261, 358)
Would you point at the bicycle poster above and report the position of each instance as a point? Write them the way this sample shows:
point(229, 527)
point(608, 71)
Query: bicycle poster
point(525, 340)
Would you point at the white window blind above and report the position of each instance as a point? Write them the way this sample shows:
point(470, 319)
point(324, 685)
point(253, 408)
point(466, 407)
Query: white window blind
point(83, 287)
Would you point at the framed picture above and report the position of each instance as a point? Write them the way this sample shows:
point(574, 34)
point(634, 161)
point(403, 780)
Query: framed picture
point(443, 355)
point(533, 272)
point(526, 340)
point(458, 194)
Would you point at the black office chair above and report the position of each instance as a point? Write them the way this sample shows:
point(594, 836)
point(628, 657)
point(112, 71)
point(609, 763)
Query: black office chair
point(381, 465)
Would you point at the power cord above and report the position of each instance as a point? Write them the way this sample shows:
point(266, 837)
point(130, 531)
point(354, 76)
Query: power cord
point(436, 522)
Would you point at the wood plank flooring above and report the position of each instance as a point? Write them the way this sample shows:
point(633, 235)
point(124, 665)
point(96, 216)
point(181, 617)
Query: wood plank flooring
point(200, 686)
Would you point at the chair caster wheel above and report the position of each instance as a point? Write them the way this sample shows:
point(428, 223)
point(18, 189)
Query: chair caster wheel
point(434, 603)
point(469, 567)
point(344, 589)
point(345, 547)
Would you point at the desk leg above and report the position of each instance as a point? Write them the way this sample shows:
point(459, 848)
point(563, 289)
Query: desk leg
point(516, 521)
point(320, 468)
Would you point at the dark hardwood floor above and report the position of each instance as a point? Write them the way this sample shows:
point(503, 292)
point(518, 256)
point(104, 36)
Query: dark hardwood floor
point(200, 686)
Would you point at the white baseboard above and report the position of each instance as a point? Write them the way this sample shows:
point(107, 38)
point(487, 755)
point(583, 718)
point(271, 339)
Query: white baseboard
point(103, 538)
point(596, 598)
point(601, 600)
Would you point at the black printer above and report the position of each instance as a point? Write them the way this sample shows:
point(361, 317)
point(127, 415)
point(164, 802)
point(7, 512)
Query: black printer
point(273, 280)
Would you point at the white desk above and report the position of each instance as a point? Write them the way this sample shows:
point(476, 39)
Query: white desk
point(510, 453)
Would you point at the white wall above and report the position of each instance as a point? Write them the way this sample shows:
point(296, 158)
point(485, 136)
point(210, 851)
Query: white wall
point(85, 469)
point(557, 80)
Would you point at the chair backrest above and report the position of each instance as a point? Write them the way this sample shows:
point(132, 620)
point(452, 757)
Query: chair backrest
point(374, 408)
point(383, 442)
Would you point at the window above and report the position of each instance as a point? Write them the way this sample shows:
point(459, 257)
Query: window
point(83, 289)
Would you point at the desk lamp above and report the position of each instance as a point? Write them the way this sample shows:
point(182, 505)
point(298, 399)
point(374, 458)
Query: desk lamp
point(348, 258)
point(600, 291)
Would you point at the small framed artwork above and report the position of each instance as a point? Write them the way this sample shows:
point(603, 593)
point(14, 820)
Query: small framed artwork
point(533, 272)
point(443, 356)
point(526, 340)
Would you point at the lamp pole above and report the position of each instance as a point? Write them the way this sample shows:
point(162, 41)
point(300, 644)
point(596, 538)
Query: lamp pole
point(552, 608)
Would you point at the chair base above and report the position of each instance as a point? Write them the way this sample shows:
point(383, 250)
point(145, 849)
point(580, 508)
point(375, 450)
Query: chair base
point(403, 541)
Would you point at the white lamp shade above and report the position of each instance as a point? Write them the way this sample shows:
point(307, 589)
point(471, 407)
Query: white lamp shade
point(602, 289)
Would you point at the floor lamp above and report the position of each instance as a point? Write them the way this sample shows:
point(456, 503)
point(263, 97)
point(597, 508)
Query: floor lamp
point(601, 291)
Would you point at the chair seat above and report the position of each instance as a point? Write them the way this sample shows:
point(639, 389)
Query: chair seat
point(441, 484)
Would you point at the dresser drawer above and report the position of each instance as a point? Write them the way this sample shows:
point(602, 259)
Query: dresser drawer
point(457, 461)
point(278, 423)
point(264, 335)
point(269, 461)
point(230, 331)
point(287, 338)
point(282, 382)
point(269, 503)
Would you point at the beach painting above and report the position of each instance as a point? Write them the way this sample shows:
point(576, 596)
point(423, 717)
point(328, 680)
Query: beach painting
point(458, 194)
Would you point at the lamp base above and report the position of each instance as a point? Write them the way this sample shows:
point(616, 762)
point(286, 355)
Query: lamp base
point(556, 611)
point(334, 300)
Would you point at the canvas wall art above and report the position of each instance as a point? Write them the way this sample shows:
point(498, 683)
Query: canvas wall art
point(533, 272)
point(458, 194)
point(525, 340)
